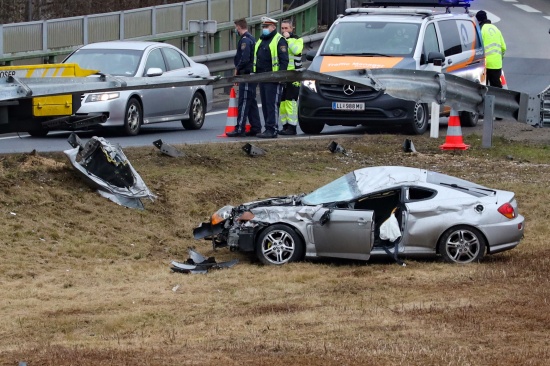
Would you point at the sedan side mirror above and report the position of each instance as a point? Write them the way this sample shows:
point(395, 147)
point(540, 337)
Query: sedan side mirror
point(154, 71)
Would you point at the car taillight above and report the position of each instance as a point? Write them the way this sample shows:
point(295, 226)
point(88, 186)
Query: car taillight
point(507, 210)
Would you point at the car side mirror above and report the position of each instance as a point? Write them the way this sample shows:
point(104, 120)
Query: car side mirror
point(310, 55)
point(325, 217)
point(432, 56)
point(154, 71)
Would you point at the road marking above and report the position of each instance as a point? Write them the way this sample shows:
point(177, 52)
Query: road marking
point(547, 17)
point(527, 8)
point(510, 1)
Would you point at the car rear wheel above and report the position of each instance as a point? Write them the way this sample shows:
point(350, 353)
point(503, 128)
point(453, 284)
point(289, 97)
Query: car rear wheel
point(279, 244)
point(462, 244)
point(311, 127)
point(133, 117)
point(420, 121)
point(196, 114)
point(468, 119)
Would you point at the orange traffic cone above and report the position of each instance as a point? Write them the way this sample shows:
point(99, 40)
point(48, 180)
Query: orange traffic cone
point(453, 141)
point(232, 114)
point(503, 81)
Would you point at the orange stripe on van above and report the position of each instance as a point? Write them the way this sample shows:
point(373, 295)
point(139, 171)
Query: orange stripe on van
point(340, 63)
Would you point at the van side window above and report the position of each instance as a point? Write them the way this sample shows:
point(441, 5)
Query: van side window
point(469, 36)
point(430, 41)
point(450, 37)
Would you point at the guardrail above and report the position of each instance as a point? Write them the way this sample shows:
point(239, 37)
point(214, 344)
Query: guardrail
point(46, 40)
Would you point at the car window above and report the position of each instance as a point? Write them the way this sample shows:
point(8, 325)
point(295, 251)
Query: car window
point(418, 194)
point(430, 43)
point(450, 37)
point(155, 59)
point(107, 61)
point(371, 38)
point(468, 35)
point(173, 59)
point(341, 189)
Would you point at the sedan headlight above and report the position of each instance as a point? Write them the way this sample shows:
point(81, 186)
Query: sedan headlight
point(310, 84)
point(221, 215)
point(101, 97)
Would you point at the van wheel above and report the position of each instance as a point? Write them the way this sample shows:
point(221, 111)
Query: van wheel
point(421, 115)
point(468, 119)
point(311, 127)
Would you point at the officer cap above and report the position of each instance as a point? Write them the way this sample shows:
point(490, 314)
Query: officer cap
point(268, 21)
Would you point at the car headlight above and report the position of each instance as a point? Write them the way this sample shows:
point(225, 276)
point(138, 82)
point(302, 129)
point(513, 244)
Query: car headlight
point(310, 84)
point(221, 215)
point(101, 97)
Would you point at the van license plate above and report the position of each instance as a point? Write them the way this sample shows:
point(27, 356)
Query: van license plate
point(338, 106)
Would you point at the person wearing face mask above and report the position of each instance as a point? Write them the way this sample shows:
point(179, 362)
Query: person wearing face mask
point(244, 63)
point(289, 104)
point(270, 54)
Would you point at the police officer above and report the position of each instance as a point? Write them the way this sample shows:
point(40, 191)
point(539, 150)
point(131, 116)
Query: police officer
point(289, 104)
point(271, 54)
point(494, 49)
point(244, 63)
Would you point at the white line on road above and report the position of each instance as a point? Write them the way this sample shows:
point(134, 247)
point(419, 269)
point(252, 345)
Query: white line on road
point(527, 8)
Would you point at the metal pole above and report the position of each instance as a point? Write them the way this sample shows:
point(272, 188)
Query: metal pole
point(488, 115)
point(436, 108)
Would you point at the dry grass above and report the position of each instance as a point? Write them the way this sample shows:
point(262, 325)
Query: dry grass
point(87, 282)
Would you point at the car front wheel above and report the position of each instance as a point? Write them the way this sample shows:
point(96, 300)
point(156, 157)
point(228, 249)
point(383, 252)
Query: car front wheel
point(133, 117)
point(462, 244)
point(196, 114)
point(419, 123)
point(279, 244)
point(311, 127)
point(468, 119)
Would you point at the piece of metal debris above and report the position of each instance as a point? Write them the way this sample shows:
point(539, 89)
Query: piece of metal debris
point(167, 149)
point(408, 146)
point(335, 147)
point(197, 263)
point(253, 150)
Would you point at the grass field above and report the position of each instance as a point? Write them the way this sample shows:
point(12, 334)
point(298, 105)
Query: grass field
point(87, 282)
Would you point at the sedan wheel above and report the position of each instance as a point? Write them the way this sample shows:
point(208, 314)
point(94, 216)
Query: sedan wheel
point(133, 118)
point(196, 114)
point(279, 244)
point(462, 244)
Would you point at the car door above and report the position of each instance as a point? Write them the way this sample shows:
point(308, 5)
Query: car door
point(154, 103)
point(178, 66)
point(347, 233)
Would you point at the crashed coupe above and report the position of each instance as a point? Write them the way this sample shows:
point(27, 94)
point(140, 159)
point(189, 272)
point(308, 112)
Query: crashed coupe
point(433, 214)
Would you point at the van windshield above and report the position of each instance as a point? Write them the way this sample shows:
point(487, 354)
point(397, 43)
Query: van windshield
point(372, 39)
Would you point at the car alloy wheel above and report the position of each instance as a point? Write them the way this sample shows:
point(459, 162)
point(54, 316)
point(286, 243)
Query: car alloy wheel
point(196, 113)
point(462, 244)
point(279, 244)
point(133, 118)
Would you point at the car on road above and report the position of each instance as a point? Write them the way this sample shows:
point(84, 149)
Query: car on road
point(389, 37)
point(433, 214)
point(131, 109)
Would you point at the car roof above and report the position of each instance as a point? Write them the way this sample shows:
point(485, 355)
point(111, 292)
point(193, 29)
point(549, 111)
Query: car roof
point(411, 15)
point(374, 178)
point(123, 45)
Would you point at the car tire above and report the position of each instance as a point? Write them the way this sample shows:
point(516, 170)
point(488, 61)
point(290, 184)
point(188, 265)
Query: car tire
point(133, 118)
point(421, 119)
point(279, 244)
point(311, 127)
point(38, 132)
point(196, 113)
point(468, 119)
point(462, 244)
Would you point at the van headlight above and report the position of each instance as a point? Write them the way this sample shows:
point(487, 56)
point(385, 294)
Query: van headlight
point(101, 97)
point(310, 84)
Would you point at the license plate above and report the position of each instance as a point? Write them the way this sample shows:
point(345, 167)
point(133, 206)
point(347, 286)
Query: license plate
point(339, 106)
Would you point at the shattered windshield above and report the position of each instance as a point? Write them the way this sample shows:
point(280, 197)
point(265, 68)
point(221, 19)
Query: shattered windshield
point(371, 39)
point(342, 189)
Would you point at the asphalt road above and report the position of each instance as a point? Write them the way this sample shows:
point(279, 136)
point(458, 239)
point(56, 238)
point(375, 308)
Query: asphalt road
point(525, 25)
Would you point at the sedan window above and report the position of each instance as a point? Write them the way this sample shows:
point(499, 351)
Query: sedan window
point(107, 61)
point(173, 59)
point(155, 59)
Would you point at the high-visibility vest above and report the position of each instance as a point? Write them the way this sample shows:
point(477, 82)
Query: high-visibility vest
point(494, 46)
point(295, 47)
point(273, 49)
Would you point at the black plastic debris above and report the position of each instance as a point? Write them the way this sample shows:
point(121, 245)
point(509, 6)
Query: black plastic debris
point(197, 263)
point(335, 147)
point(167, 149)
point(408, 146)
point(253, 150)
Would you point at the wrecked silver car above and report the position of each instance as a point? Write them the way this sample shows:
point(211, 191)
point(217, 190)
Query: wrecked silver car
point(434, 214)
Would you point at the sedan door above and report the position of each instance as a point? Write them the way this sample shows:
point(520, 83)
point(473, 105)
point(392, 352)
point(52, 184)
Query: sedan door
point(154, 99)
point(346, 234)
point(178, 66)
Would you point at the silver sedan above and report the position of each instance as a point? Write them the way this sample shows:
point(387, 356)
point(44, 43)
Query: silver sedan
point(131, 109)
point(387, 211)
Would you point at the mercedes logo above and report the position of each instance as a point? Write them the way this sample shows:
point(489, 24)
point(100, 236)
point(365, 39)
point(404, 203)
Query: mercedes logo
point(349, 89)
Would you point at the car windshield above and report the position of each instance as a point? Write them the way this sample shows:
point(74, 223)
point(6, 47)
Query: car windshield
point(113, 62)
point(371, 39)
point(342, 189)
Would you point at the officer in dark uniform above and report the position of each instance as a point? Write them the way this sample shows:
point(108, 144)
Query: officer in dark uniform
point(244, 63)
point(271, 54)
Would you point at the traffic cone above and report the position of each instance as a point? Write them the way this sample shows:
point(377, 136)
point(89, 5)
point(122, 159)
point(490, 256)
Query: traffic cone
point(453, 141)
point(232, 114)
point(503, 81)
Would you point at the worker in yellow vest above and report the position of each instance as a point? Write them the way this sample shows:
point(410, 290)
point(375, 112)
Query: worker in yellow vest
point(495, 47)
point(289, 105)
point(270, 54)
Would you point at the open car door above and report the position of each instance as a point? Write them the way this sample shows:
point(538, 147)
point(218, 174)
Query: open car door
point(343, 233)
